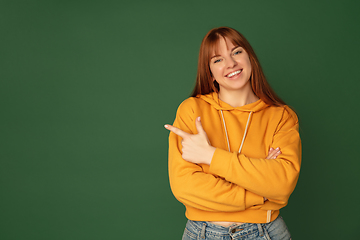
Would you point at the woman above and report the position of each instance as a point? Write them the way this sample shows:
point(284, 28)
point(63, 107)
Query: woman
point(234, 147)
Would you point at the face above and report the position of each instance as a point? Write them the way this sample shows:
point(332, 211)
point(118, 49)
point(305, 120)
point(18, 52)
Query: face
point(231, 67)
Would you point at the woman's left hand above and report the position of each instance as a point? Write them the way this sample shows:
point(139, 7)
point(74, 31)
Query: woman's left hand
point(196, 148)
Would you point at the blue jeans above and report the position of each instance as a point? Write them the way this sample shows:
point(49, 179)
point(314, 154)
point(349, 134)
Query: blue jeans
point(275, 230)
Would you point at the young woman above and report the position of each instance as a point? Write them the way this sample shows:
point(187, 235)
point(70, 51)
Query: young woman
point(234, 147)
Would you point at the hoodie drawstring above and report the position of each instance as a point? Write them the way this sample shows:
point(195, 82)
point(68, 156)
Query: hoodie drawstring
point(227, 137)
point(269, 212)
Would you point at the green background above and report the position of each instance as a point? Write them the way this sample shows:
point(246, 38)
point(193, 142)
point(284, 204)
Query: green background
point(86, 87)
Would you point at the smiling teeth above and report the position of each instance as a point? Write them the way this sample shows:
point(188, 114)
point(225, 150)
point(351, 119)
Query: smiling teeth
point(234, 73)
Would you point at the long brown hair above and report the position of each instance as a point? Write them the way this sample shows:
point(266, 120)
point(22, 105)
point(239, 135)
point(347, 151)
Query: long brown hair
point(204, 80)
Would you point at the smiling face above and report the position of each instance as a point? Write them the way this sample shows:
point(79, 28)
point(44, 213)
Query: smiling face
point(231, 68)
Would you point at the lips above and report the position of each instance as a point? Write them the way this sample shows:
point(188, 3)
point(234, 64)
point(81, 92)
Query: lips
point(234, 73)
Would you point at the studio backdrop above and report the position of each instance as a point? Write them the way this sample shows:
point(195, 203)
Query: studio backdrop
point(86, 87)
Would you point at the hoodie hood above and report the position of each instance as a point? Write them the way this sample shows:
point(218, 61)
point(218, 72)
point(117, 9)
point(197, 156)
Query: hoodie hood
point(213, 99)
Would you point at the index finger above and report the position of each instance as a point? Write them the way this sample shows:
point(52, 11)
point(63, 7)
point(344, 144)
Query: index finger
point(176, 130)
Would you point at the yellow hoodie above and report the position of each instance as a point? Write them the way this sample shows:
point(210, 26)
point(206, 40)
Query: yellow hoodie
point(233, 187)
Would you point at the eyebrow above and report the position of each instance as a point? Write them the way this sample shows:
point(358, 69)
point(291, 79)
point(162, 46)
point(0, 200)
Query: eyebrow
point(215, 56)
point(235, 48)
point(230, 51)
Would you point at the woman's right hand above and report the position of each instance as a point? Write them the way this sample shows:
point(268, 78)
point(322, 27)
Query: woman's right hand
point(273, 153)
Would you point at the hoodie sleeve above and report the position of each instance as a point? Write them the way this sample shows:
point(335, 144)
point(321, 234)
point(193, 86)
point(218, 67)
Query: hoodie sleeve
point(193, 187)
point(274, 179)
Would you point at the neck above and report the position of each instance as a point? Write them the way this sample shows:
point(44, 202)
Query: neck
point(238, 98)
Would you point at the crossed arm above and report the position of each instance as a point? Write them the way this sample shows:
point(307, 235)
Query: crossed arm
point(196, 148)
point(233, 181)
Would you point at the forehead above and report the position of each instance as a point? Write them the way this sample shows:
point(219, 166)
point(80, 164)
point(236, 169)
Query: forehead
point(222, 43)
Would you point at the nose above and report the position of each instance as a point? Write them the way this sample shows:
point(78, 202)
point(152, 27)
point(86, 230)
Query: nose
point(231, 62)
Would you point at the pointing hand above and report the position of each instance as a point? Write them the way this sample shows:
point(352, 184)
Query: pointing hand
point(196, 148)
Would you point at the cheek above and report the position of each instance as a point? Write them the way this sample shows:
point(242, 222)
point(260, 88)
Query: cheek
point(249, 64)
point(247, 60)
point(216, 70)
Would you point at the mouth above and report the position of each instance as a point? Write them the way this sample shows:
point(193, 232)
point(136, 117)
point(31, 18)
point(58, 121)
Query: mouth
point(235, 73)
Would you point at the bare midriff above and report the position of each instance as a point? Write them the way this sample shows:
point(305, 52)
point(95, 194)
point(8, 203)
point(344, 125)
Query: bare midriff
point(227, 224)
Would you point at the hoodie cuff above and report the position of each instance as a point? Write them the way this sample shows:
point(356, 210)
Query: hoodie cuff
point(252, 199)
point(220, 162)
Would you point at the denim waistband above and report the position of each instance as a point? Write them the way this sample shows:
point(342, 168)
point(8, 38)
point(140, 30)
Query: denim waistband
point(274, 230)
point(235, 231)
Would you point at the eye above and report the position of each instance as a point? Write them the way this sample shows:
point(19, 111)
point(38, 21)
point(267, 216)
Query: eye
point(237, 52)
point(217, 60)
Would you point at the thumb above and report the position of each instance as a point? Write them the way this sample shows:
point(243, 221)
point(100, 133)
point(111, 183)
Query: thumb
point(199, 127)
